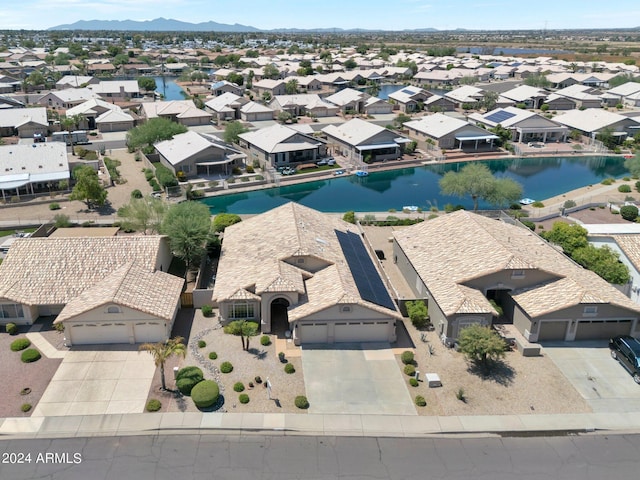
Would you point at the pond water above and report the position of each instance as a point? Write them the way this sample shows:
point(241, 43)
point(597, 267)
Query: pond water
point(540, 177)
point(168, 87)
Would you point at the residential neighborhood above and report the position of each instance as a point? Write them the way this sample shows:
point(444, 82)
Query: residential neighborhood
point(181, 230)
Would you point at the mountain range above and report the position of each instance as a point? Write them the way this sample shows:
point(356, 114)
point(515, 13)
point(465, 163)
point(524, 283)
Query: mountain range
point(171, 25)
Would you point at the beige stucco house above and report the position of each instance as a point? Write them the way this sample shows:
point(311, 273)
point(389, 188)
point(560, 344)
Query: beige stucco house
point(102, 289)
point(312, 276)
point(460, 261)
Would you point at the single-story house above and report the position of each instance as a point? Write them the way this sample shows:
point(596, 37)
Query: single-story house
point(92, 109)
point(410, 98)
point(449, 132)
point(621, 93)
point(349, 100)
point(223, 86)
point(458, 263)
point(467, 94)
point(280, 145)
point(271, 87)
point(116, 120)
point(583, 96)
point(66, 99)
point(194, 154)
point(592, 121)
point(377, 106)
point(256, 112)
point(23, 122)
point(184, 112)
point(525, 126)
point(225, 106)
point(102, 289)
point(365, 141)
point(314, 277)
point(29, 168)
point(75, 81)
point(438, 103)
point(304, 104)
point(117, 90)
point(558, 102)
point(531, 97)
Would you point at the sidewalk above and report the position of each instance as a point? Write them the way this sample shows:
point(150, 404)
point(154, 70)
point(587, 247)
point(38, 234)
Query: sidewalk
point(315, 425)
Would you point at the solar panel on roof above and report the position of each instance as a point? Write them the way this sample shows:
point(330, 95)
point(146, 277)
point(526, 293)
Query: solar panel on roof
point(368, 281)
point(500, 116)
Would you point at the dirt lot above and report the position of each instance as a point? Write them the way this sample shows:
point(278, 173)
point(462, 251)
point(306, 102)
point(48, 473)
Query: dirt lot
point(17, 375)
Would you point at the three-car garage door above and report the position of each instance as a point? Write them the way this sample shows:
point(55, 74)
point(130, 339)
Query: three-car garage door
point(600, 329)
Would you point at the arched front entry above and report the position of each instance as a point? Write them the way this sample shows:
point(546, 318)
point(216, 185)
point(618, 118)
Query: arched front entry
point(279, 316)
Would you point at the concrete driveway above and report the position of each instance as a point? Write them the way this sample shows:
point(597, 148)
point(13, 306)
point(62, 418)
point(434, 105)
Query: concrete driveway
point(97, 380)
point(355, 378)
point(602, 381)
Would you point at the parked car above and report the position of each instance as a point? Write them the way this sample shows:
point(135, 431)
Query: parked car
point(331, 161)
point(626, 350)
point(322, 162)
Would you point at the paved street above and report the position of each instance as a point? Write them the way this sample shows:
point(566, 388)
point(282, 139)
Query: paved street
point(299, 457)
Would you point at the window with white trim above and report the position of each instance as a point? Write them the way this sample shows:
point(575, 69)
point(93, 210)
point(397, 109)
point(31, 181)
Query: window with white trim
point(11, 310)
point(240, 310)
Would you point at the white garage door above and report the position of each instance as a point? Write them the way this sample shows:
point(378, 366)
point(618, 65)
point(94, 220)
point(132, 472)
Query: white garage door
point(151, 332)
point(95, 333)
point(313, 332)
point(362, 331)
point(600, 329)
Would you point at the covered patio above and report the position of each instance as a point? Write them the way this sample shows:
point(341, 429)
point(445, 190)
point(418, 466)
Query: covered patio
point(476, 139)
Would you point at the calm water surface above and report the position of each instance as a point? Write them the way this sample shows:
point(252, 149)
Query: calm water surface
point(540, 177)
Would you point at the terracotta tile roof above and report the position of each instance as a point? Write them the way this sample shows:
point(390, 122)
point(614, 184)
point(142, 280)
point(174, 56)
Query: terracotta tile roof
point(54, 271)
point(630, 245)
point(453, 249)
point(156, 293)
point(261, 254)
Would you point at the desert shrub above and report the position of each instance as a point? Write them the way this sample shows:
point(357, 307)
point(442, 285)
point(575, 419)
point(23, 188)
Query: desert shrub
point(418, 313)
point(629, 212)
point(136, 193)
point(460, 394)
point(530, 225)
point(569, 204)
point(624, 188)
point(301, 402)
point(30, 355)
point(265, 340)
point(202, 344)
point(148, 174)
point(25, 407)
point(205, 394)
point(11, 328)
point(207, 310)
point(258, 379)
point(226, 367)
point(244, 398)
point(407, 357)
point(420, 401)
point(187, 378)
point(213, 355)
point(537, 204)
point(289, 368)
point(54, 206)
point(281, 357)
point(20, 344)
point(250, 169)
point(153, 405)
point(638, 186)
point(410, 370)
point(165, 177)
point(413, 382)
point(238, 387)
point(607, 181)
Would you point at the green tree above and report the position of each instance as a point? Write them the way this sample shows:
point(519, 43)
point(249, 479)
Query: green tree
point(233, 130)
point(143, 214)
point(148, 84)
point(224, 220)
point(236, 78)
point(481, 345)
point(477, 181)
point(36, 78)
point(152, 131)
point(188, 226)
point(270, 71)
point(569, 236)
point(349, 216)
point(245, 329)
point(604, 262)
point(537, 80)
point(607, 137)
point(633, 165)
point(350, 64)
point(504, 134)
point(250, 329)
point(162, 351)
point(418, 313)
point(489, 100)
point(88, 187)
point(291, 87)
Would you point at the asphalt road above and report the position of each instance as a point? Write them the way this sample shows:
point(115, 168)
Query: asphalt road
point(220, 457)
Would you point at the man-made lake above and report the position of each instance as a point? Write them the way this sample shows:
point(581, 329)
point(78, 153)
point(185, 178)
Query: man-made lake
point(168, 87)
point(540, 177)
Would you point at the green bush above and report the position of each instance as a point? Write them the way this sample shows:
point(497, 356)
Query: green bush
point(624, 188)
point(301, 402)
point(413, 382)
point(54, 206)
point(25, 407)
point(30, 355)
point(11, 328)
point(207, 310)
point(420, 401)
point(165, 177)
point(202, 344)
point(289, 368)
point(265, 340)
point(238, 387)
point(410, 370)
point(638, 185)
point(244, 398)
point(187, 378)
point(136, 194)
point(569, 204)
point(213, 355)
point(407, 357)
point(148, 174)
point(629, 212)
point(20, 344)
point(205, 394)
point(528, 224)
point(226, 367)
point(153, 405)
point(608, 181)
point(537, 204)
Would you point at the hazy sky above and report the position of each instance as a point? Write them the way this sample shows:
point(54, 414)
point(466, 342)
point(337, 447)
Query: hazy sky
point(372, 14)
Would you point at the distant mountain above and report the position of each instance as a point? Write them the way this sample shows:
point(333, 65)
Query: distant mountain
point(157, 25)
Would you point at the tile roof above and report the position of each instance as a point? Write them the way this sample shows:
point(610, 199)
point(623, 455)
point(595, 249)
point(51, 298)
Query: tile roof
point(455, 248)
point(54, 271)
point(260, 255)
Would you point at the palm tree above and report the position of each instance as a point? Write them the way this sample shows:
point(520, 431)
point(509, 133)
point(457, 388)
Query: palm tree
point(162, 351)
